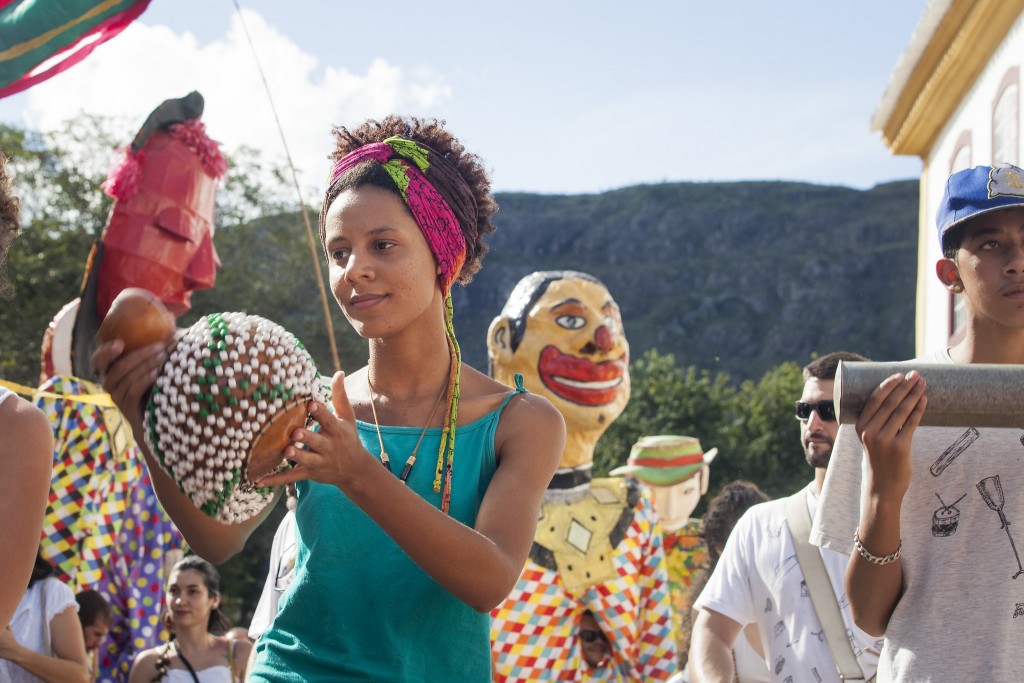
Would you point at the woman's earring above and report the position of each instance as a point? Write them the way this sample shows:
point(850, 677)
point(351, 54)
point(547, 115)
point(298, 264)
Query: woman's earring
point(956, 288)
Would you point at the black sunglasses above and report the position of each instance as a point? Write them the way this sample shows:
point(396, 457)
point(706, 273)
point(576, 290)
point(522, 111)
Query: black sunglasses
point(589, 636)
point(826, 410)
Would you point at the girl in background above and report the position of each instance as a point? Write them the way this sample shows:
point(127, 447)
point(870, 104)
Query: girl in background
point(195, 652)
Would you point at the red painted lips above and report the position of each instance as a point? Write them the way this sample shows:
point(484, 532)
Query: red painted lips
point(580, 380)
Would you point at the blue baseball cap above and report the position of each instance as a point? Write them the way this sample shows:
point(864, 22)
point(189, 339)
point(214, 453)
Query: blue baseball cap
point(979, 190)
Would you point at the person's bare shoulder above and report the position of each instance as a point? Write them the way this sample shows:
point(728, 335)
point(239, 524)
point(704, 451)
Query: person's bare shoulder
point(29, 427)
point(524, 414)
point(144, 666)
point(531, 427)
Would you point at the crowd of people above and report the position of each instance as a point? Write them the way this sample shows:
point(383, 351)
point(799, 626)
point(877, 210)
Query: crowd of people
point(470, 541)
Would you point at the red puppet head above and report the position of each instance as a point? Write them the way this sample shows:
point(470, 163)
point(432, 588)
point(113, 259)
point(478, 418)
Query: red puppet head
point(159, 236)
point(160, 233)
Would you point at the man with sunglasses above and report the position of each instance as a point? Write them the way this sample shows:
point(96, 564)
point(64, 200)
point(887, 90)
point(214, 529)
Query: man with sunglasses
point(758, 578)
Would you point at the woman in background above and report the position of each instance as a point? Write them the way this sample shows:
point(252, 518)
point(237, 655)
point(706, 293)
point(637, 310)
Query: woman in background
point(44, 640)
point(194, 653)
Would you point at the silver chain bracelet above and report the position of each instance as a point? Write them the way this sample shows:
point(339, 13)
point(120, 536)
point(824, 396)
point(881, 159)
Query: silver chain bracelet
point(875, 559)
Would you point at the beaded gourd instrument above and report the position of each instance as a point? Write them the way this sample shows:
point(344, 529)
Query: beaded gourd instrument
point(231, 392)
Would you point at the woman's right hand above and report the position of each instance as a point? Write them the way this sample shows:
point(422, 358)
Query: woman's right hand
point(128, 376)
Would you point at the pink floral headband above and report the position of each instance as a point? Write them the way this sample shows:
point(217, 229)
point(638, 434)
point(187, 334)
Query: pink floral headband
point(431, 187)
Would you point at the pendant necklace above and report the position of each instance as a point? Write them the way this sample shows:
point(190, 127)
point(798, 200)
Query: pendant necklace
point(384, 459)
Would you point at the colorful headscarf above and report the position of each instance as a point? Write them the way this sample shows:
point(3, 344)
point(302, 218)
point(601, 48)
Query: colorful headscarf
point(441, 202)
point(438, 197)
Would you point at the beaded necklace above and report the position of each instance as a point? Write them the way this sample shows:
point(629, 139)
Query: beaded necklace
point(384, 459)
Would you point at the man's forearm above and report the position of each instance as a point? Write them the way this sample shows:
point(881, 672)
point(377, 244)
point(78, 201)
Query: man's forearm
point(710, 658)
point(874, 587)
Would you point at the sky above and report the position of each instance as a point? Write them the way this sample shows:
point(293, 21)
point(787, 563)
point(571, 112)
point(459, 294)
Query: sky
point(556, 96)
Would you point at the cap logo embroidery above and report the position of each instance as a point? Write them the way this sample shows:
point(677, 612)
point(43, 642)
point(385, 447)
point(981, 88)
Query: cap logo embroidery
point(1005, 180)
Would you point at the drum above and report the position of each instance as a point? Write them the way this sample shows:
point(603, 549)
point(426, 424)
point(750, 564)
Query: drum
point(223, 407)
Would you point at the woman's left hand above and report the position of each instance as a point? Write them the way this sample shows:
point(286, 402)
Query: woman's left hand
point(330, 454)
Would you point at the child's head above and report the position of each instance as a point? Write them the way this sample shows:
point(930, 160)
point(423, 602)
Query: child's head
point(724, 511)
point(96, 616)
point(972, 193)
point(457, 175)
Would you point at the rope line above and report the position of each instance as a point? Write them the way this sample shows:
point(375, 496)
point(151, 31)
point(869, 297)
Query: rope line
point(298, 191)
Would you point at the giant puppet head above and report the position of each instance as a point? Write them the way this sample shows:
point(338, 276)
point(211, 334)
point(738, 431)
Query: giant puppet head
point(676, 470)
point(159, 235)
point(563, 332)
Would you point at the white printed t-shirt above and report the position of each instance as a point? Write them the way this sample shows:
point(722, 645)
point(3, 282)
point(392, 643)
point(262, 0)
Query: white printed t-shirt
point(961, 615)
point(758, 579)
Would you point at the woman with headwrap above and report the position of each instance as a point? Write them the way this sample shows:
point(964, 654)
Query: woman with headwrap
point(418, 496)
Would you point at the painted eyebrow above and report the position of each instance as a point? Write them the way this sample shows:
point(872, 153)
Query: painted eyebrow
point(565, 302)
point(607, 306)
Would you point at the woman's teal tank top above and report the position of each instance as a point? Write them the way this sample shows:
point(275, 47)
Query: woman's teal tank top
point(358, 608)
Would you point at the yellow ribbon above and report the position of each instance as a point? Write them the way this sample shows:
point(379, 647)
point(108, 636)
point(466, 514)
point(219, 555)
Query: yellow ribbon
point(103, 399)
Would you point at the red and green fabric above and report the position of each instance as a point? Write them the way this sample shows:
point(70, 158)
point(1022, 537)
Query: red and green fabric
point(41, 38)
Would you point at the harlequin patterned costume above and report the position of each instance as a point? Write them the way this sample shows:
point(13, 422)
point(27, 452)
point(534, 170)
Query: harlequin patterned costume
point(103, 527)
point(686, 556)
point(603, 553)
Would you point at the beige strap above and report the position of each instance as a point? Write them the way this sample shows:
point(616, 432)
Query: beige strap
point(820, 587)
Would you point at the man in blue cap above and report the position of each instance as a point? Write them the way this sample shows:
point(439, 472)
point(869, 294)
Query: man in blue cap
point(934, 566)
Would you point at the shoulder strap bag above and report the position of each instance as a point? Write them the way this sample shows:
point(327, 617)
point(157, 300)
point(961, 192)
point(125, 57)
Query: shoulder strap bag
point(820, 587)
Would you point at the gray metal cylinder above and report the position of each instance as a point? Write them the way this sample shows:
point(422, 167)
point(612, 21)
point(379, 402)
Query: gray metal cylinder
point(958, 395)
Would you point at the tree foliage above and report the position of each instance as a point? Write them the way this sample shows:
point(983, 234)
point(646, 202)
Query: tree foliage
point(751, 424)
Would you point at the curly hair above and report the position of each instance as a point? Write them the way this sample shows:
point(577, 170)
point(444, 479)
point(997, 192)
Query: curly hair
point(10, 225)
point(93, 608)
point(431, 133)
point(724, 511)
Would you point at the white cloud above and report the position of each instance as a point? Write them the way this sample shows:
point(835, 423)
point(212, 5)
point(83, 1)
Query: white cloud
point(128, 76)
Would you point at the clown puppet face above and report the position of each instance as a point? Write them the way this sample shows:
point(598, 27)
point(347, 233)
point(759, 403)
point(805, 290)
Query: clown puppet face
point(563, 332)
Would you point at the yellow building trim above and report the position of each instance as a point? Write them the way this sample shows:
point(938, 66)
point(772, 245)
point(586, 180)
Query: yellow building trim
point(961, 46)
point(924, 273)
